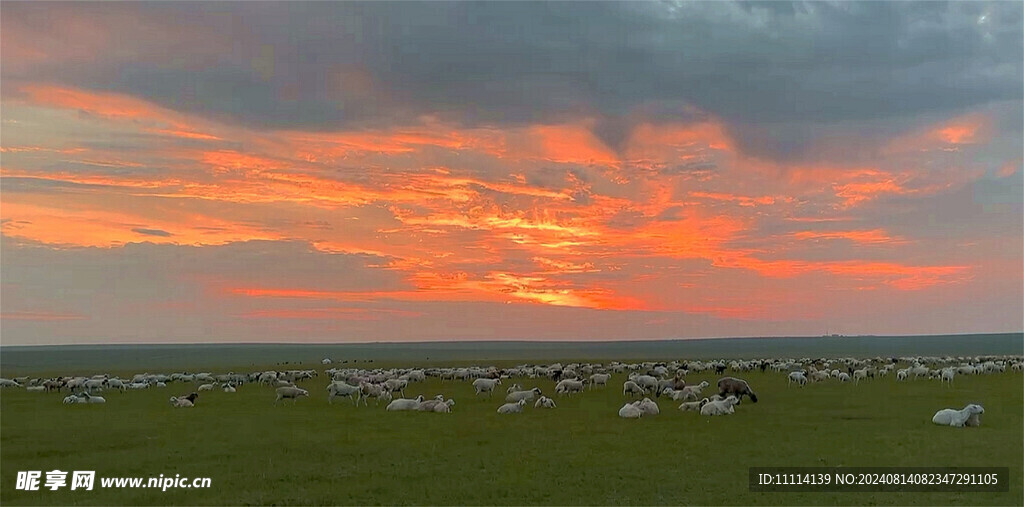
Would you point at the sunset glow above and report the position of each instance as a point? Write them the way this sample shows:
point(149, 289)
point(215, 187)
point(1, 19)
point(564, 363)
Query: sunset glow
point(177, 187)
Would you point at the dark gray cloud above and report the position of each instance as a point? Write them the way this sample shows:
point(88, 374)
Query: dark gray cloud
point(152, 232)
point(774, 71)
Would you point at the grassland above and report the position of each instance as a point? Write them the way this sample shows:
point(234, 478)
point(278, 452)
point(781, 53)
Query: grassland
point(579, 453)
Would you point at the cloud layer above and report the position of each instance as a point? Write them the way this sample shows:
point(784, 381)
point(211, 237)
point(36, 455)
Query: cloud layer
point(393, 171)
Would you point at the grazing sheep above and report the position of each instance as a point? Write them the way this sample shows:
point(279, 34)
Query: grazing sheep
point(228, 388)
point(569, 386)
point(512, 408)
point(968, 416)
point(523, 395)
point(629, 387)
point(36, 389)
point(631, 410)
point(113, 383)
point(797, 376)
point(722, 407)
point(737, 387)
point(902, 374)
point(339, 389)
point(206, 387)
point(544, 402)
point(394, 384)
point(4, 382)
point(599, 379)
point(691, 393)
point(693, 405)
point(947, 376)
point(649, 407)
point(290, 392)
point(647, 382)
point(404, 404)
point(376, 391)
point(844, 377)
point(486, 385)
point(861, 374)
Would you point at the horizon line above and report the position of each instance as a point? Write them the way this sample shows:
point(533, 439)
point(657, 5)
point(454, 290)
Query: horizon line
point(427, 342)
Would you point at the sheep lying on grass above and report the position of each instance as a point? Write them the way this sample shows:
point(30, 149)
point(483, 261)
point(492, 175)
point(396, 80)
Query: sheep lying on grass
point(544, 402)
point(515, 396)
point(184, 401)
point(649, 407)
point(721, 407)
point(693, 405)
point(631, 410)
point(436, 405)
point(404, 404)
point(512, 408)
point(968, 416)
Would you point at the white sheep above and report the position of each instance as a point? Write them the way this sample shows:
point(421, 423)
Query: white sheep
point(544, 402)
point(902, 374)
point(798, 377)
point(947, 376)
point(486, 385)
point(72, 399)
point(629, 387)
point(206, 387)
point(181, 402)
point(569, 386)
point(649, 407)
point(968, 416)
point(514, 387)
point(631, 410)
point(94, 399)
point(599, 379)
point(339, 389)
point(523, 395)
point(693, 405)
point(404, 404)
point(512, 408)
point(721, 407)
point(6, 382)
point(647, 382)
point(436, 405)
point(290, 393)
point(36, 389)
point(228, 388)
point(395, 384)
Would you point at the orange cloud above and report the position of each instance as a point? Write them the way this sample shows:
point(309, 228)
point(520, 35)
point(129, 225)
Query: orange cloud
point(570, 144)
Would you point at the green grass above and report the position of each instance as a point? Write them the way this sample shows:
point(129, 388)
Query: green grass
point(579, 453)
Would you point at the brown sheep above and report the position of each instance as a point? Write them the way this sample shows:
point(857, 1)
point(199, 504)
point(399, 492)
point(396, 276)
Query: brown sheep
point(737, 387)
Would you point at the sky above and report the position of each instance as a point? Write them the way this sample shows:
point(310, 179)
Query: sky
point(358, 172)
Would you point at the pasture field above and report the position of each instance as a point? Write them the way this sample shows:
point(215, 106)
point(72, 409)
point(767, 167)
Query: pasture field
point(580, 453)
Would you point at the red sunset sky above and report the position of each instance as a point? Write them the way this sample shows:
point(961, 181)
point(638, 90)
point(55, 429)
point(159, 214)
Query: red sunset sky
point(344, 172)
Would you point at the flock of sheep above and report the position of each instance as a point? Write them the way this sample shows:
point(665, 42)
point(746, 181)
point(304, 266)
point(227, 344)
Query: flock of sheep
point(643, 379)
